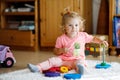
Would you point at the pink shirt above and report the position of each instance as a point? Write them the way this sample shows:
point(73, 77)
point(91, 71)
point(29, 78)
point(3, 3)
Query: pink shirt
point(64, 41)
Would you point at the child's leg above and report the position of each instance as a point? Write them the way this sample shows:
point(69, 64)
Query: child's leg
point(70, 64)
point(51, 62)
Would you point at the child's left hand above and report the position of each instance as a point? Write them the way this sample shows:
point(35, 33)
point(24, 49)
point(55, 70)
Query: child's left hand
point(105, 43)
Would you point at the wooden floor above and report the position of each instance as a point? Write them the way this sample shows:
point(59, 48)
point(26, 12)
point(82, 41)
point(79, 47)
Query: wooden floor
point(25, 57)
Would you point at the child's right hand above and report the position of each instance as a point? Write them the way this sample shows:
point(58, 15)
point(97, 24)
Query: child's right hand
point(63, 50)
point(60, 51)
point(66, 50)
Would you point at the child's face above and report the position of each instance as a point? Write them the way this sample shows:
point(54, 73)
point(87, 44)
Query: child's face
point(72, 27)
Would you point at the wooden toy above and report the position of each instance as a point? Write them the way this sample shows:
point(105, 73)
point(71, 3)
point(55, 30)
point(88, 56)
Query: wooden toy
point(92, 49)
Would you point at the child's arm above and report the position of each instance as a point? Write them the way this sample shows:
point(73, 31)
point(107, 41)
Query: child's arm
point(98, 40)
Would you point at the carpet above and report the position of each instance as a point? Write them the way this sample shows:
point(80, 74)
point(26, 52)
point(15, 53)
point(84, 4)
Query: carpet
point(112, 73)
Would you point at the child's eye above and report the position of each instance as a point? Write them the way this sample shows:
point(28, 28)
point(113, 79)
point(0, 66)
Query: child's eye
point(76, 25)
point(70, 25)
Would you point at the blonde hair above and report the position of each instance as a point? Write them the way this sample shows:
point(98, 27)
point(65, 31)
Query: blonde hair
point(71, 14)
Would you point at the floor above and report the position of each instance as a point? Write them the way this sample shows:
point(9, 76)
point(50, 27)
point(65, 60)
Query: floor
point(25, 57)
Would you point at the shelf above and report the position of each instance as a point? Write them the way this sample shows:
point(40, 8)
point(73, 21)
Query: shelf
point(117, 15)
point(13, 14)
point(19, 13)
point(20, 0)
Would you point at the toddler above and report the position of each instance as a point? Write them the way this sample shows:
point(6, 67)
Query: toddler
point(70, 46)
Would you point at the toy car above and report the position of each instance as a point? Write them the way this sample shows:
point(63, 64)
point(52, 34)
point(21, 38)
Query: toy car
point(6, 57)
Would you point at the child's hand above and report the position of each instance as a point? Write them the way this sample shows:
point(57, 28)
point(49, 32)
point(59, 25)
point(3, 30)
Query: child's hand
point(66, 50)
point(63, 50)
point(105, 43)
point(60, 51)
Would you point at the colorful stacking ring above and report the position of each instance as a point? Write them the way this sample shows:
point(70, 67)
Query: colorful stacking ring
point(72, 76)
point(52, 74)
point(64, 69)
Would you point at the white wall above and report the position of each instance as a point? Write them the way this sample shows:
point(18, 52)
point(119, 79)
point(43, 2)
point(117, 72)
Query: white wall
point(96, 6)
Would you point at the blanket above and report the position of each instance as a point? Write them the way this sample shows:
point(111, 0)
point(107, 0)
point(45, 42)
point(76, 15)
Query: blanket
point(112, 73)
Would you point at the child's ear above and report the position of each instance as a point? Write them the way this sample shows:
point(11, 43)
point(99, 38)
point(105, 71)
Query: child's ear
point(63, 30)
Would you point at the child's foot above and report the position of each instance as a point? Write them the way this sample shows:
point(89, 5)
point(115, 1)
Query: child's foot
point(80, 69)
point(33, 68)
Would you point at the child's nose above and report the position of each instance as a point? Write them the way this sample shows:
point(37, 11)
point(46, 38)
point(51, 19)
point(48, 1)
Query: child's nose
point(73, 27)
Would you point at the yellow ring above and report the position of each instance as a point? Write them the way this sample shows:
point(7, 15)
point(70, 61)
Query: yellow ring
point(64, 69)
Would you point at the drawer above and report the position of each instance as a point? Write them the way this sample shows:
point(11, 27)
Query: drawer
point(24, 38)
point(17, 38)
